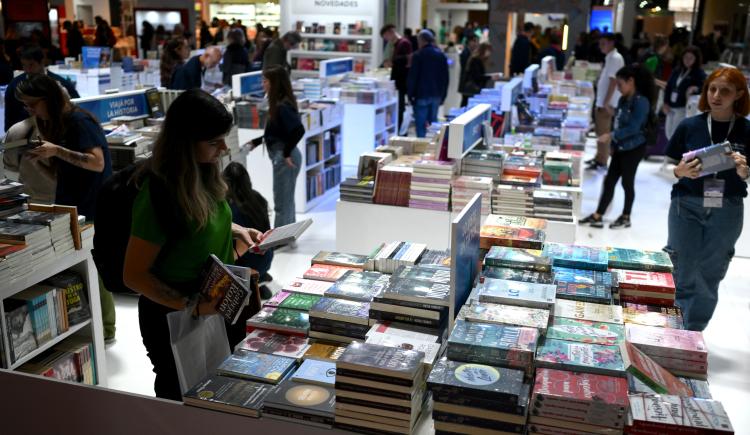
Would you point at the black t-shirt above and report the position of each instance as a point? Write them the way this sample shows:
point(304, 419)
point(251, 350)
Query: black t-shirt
point(77, 186)
point(285, 129)
point(692, 134)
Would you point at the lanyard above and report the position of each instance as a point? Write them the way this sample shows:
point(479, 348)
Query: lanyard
point(681, 77)
point(708, 124)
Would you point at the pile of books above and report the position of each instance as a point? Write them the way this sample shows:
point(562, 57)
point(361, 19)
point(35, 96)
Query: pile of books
point(583, 285)
point(393, 186)
point(431, 185)
point(513, 236)
point(642, 287)
point(483, 163)
point(651, 315)
point(379, 388)
point(358, 189)
point(522, 294)
point(464, 189)
point(70, 360)
point(58, 224)
point(553, 205)
point(513, 200)
point(33, 249)
point(385, 334)
point(12, 198)
point(679, 351)
point(339, 320)
point(307, 397)
point(668, 414)
point(390, 256)
point(358, 286)
point(558, 169)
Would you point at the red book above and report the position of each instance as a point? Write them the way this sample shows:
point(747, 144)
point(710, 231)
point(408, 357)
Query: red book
point(661, 282)
point(523, 171)
point(6, 249)
point(648, 300)
point(668, 342)
point(650, 373)
point(325, 272)
point(584, 388)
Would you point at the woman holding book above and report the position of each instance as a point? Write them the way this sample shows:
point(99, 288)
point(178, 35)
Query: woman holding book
point(627, 142)
point(283, 130)
point(706, 213)
point(180, 217)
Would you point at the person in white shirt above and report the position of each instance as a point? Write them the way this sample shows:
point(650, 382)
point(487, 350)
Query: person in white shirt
point(606, 98)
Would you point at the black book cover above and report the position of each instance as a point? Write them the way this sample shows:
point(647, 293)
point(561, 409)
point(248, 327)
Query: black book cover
point(384, 360)
point(437, 274)
point(477, 380)
point(477, 422)
point(225, 288)
point(419, 291)
point(229, 392)
point(302, 399)
point(76, 296)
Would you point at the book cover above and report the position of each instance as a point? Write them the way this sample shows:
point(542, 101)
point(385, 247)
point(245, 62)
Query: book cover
point(281, 319)
point(588, 311)
point(300, 400)
point(359, 286)
point(659, 282)
point(585, 331)
point(518, 293)
point(650, 373)
point(477, 380)
point(668, 342)
point(418, 291)
point(277, 344)
point(516, 221)
point(582, 276)
point(326, 272)
point(529, 259)
point(222, 286)
point(527, 238)
point(713, 158)
point(340, 259)
point(517, 275)
point(228, 394)
point(388, 328)
point(436, 274)
point(670, 413)
point(20, 332)
point(595, 293)
point(76, 296)
point(636, 259)
point(277, 299)
point(256, 366)
point(316, 372)
point(299, 301)
point(594, 390)
point(430, 349)
point(341, 310)
point(575, 256)
point(307, 286)
point(388, 361)
point(583, 357)
point(324, 352)
point(650, 315)
point(493, 342)
point(506, 314)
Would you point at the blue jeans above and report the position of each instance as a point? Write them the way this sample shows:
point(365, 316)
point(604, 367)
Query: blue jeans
point(284, 179)
point(425, 111)
point(701, 244)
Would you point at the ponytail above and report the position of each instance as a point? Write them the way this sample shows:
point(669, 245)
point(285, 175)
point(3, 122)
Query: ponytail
point(644, 82)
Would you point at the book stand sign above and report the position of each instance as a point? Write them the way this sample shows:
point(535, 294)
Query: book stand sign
point(250, 83)
point(531, 78)
point(510, 93)
point(464, 255)
point(336, 67)
point(466, 130)
point(548, 66)
point(106, 107)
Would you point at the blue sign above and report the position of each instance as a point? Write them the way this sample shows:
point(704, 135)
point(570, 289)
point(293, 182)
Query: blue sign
point(108, 107)
point(251, 84)
point(473, 131)
point(95, 57)
point(464, 254)
point(338, 66)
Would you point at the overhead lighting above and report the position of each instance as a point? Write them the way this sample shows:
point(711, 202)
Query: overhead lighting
point(606, 2)
point(656, 9)
point(565, 37)
point(643, 4)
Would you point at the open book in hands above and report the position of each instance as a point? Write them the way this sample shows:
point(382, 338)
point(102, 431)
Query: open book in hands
point(232, 287)
point(282, 235)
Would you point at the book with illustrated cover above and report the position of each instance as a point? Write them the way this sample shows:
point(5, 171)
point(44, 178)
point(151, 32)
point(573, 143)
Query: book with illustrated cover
point(492, 344)
point(636, 259)
point(713, 158)
point(316, 372)
point(518, 275)
point(493, 383)
point(256, 366)
point(277, 344)
point(341, 310)
point(299, 301)
point(506, 315)
point(650, 373)
point(523, 294)
point(311, 404)
point(577, 257)
point(340, 259)
point(390, 329)
point(381, 360)
point(430, 349)
point(325, 272)
point(223, 393)
point(580, 357)
point(307, 286)
point(668, 342)
point(224, 287)
point(652, 413)
point(515, 237)
point(418, 291)
point(324, 352)
point(585, 331)
point(588, 311)
point(529, 259)
point(360, 286)
point(596, 293)
point(657, 282)
point(75, 294)
point(432, 257)
point(516, 221)
point(20, 332)
point(437, 274)
point(283, 320)
point(650, 315)
point(277, 299)
point(583, 276)
point(594, 391)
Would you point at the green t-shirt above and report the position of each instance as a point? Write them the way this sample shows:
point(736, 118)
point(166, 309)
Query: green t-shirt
point(181, 260)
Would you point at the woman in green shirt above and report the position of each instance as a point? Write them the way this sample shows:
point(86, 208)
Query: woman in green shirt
point(180, 216)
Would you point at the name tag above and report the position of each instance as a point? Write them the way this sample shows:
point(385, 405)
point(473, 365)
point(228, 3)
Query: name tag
point(673, 97)
point(713, 192)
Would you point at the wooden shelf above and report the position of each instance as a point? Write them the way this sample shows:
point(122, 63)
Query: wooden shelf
point(29, 356)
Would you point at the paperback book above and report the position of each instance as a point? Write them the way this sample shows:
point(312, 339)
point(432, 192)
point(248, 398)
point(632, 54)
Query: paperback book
point(506, 315)
point(595, 293)
point(418, 291)
point(582, 276)
point(517, 293)
point(527, 238)
point(635, 259)
point(277, 344)
point(651, 413)
point(492, 344)
point(516, 221)
point(667, 342)
point(657, 282)
point(390, 329)
point(307, 286)
point(580, 357)
point(341, 310)
point(449, 378)
point(436, 274)
point(360, 286)
point(431, 350)
point(577, 257)
point(225, 288)
point(283, 320)
point(391, 362)
point(650, 315)
point(517, 275)
point(340, 259)
point(325, 272)
point(311, 404)
point(316, 372)
point(324, 352)
point(650, 373)
point(256, 366)
point(588, 311)
point(585, 331)
point(581, 390)
point(528, 259)
point(228, 394)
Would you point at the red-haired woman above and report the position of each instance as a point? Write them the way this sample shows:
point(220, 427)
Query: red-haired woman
point(702, 233)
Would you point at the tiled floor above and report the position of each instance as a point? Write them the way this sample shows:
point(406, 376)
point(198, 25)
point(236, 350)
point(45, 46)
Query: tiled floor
point(728, 335)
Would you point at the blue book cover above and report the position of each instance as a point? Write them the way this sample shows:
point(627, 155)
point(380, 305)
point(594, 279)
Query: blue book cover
point(595, 293)
point(582, 276)
point(256, 366)
point(582, 257)
point(316, 372)
point(636, 259)
point(523, 294)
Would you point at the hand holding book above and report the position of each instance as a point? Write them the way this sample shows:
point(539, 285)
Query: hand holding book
point(690, 169)
point(740, 163)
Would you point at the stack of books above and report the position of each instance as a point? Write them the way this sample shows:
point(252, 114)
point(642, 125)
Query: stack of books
point(513, 200)
point(636, 259)
point(408, 340)
point(37, 248)
point(12, 198)
point(431, 185)
point(353, 261)
point(558, 169)
point(586, 331)
point(418, 303)
point(583, 285)
point(650, 373)
point(358, 189)
point(339, 320)
point(512, 236)
point(522, 294)
point(229, 394)
point(518, 258)
point(588, 311)
point(483, 163)
point(324, 272)
point(390, 256)
point(264, 341)
point(58, 224)
point(464, 189)
point(70, 360)
point(303, 402)
point(379, 388)
point(553, 205)
point(650, 315)
point(515, 221)
point(576, 256)
point(581, 357)
point(393, 186)
point(578, 402)
point(517, 275)
point(285, 321)
point(667, 414)
point(294, 301)
point(679, 351)
point(358, 286)
point(642, 287)
point(511, 315)
point(478, 398)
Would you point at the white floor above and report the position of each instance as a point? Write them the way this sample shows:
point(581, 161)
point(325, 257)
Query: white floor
point(728, 335)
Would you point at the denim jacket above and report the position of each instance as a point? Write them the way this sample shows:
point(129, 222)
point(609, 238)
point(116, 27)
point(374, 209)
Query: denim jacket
point(630, 122)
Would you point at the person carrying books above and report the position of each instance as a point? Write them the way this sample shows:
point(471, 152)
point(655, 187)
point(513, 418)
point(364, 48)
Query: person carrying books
point(180, 217)
point(706, 212)
point(627, 142)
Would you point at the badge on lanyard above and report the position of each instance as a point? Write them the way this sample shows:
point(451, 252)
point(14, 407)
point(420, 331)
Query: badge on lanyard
point(713, 192)
point(673, 97)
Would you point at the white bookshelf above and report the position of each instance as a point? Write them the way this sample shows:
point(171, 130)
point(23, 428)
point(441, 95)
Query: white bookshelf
point(367, 126)
point(79, 261)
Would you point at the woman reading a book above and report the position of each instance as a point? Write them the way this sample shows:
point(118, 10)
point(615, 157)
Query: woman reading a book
point(706, 213)
point(627, 142)
point(180, 217)
point(283, 130)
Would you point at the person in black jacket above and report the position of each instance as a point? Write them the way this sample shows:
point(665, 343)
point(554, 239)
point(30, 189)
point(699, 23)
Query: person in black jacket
point(6, 69)
point(427, 83)
point(236, 59)
point(522, 53)
point(74, 42)
point(476, 71)
point(190, 75)
point(147, 37)
point(469, 48)
point(283, 130)
point(686, 80)
point(400, 60)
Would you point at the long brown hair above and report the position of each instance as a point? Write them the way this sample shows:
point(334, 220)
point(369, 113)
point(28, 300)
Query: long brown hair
point(280, 90)
point(481, 52)
point(170, 60)
point(194, 116)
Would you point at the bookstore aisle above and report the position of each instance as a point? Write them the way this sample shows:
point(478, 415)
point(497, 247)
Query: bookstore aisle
point(728, 335)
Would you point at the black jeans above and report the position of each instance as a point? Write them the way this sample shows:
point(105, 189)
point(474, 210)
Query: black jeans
point(401, 108)
point(623, 164)
point(152, 318)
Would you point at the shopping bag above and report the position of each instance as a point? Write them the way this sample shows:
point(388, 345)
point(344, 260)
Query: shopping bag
point(408, 116)
point(199, 345)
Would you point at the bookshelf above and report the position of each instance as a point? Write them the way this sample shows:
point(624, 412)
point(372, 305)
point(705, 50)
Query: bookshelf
point(81, 262)
point(364, 121)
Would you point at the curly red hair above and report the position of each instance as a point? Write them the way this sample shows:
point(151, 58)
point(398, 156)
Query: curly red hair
point(734, 77)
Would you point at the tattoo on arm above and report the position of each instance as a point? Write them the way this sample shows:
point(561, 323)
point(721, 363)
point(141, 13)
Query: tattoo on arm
point(74, 157)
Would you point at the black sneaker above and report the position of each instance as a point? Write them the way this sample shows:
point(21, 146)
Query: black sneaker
point(592, 221)
point(593, 166)
point(265, 292)
point(620, 222)
point(590, 161)
point(266, 278)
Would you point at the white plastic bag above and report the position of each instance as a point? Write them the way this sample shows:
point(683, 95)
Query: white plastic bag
point(199, 345)
point(403, 129)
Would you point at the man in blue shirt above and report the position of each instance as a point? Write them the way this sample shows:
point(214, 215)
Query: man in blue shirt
point(427, 83)
point(190, 75)
point(32, 59)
